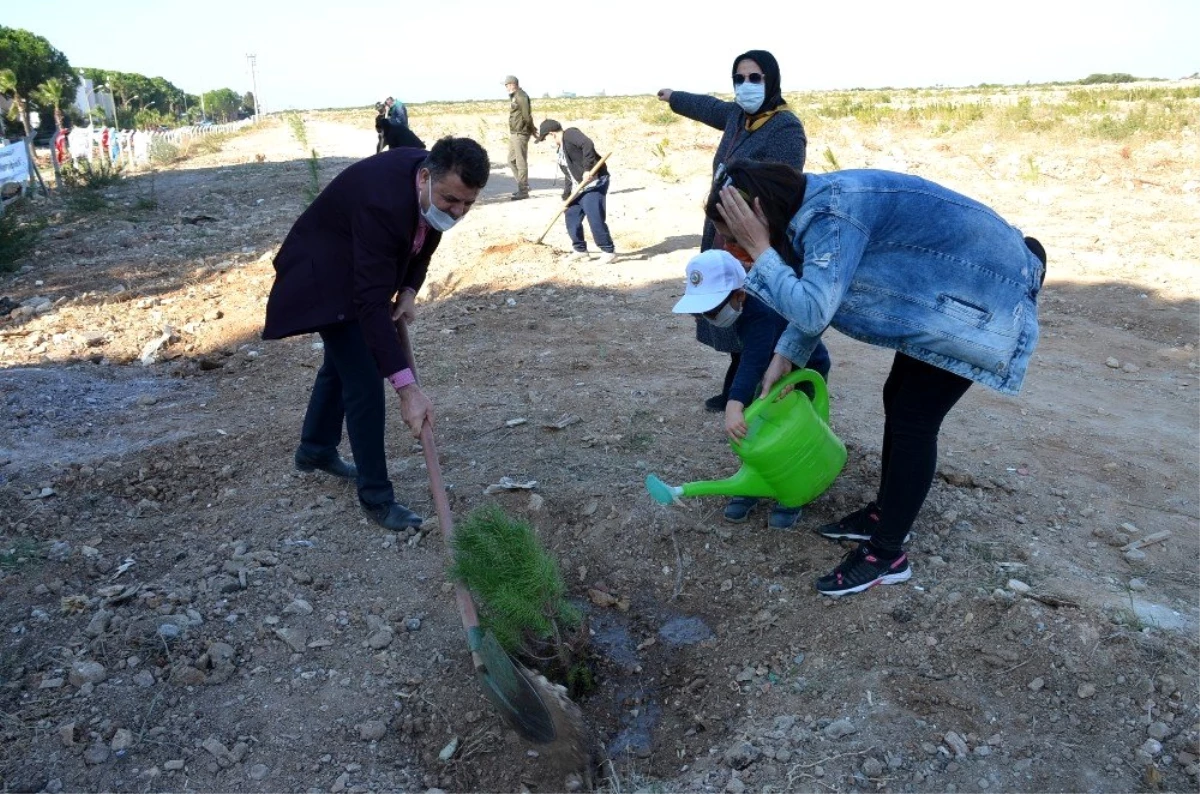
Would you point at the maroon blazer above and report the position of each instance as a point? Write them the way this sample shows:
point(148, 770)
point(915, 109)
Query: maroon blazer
point(350, 252)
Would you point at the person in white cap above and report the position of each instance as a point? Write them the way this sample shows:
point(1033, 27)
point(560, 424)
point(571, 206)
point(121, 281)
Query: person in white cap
point(715, 293)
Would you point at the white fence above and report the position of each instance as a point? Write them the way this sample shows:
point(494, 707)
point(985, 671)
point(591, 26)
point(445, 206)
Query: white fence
point(128, 147)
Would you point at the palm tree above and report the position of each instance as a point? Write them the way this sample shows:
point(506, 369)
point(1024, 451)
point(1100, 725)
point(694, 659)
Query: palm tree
point(8, 86)
point(53, 92)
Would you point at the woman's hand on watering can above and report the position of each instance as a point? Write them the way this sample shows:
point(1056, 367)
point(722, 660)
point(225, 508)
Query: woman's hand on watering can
point(778, 367)
point(735, 421)
point(747, 225)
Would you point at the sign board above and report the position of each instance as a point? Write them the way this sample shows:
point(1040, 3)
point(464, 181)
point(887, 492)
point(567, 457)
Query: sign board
point(14, 163)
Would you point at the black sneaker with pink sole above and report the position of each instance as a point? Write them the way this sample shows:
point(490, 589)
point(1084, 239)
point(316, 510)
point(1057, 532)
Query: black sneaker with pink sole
point(862, 569)
point(859, 525)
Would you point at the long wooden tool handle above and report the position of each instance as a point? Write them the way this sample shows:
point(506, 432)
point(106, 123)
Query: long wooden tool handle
point(437, 488)
point(588, 177)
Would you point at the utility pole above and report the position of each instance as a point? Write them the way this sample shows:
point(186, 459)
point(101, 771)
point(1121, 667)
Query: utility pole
point(252, 58)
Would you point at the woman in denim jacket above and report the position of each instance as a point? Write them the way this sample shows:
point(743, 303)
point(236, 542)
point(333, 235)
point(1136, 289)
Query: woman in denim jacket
point(900, 262)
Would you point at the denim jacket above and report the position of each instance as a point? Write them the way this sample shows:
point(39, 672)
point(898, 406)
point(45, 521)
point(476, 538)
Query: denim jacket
point(900, 262)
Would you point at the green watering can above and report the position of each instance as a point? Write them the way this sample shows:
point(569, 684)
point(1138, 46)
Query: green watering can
point(789, 453)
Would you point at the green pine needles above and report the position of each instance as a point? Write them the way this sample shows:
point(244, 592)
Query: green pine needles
point(518, 589)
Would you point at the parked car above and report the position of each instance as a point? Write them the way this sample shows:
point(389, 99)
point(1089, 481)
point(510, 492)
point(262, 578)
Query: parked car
point(44, 135)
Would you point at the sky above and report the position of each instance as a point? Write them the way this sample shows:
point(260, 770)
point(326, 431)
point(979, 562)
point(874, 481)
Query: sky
point(351, 53)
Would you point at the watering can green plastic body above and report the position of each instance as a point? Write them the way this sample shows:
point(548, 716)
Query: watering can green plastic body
point(789, 453)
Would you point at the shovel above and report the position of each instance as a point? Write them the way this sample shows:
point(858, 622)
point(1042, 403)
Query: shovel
point(588, 177)
point(528, 702)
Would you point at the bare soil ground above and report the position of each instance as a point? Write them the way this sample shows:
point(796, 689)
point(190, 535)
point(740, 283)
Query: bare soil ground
point(183, 611)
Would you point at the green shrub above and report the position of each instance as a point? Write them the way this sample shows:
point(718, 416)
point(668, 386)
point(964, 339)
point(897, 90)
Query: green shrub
point(313, 188)
point(95, 174)
point(86, 201)
point(163, 152)
point(660, 150)
point(660, 116)
point(519, 591)
point(207, 144)
point(299, 132)
point(18, 233)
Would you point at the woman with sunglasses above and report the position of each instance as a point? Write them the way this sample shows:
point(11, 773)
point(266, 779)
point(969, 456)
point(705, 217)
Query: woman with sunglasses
point(757, 125)
point(899, 262)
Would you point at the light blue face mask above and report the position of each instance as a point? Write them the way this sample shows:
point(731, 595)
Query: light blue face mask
point(750, 96)
point(726, 317)
point(435, 216)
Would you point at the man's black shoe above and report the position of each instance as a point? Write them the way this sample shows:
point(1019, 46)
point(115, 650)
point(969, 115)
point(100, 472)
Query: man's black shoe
point(335, 466)
point(393, 516)
point(518, 196)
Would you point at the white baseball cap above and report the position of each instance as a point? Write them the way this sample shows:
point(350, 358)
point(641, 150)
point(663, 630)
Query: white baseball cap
point(711, 276)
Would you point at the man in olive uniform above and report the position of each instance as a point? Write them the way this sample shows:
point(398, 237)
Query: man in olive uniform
point(520, 127)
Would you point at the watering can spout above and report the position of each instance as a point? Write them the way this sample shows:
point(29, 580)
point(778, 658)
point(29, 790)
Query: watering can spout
point(745, 483)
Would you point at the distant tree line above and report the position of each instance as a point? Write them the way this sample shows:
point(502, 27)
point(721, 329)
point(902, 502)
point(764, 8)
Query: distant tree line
point(1118, 77)
point(35, 76)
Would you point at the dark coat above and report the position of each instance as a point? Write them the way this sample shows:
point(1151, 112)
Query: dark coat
point(349, 254)
point(581, 157)
point(780, 140)
point(394, 135)
point(520, 114)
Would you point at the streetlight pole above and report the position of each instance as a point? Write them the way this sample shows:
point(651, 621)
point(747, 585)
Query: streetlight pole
point(253, 59)
point(89, 94)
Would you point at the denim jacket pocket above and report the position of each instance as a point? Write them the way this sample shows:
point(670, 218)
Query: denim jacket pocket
point(965, 311)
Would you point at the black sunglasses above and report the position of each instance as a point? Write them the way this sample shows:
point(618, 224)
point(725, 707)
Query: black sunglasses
point(754, 77)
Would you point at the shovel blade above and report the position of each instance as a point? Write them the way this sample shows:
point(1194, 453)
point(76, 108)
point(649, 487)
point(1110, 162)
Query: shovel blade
point(514, 694)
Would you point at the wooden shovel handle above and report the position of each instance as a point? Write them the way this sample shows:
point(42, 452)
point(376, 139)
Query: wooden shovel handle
point(437, 488)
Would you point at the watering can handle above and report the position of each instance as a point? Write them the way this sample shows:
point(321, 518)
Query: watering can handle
point(820, 399)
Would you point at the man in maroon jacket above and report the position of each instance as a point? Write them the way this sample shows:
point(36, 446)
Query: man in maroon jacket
point(352, 264)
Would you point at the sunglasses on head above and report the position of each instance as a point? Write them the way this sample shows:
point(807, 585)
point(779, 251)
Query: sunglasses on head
point(754, 77)
point(722, 179)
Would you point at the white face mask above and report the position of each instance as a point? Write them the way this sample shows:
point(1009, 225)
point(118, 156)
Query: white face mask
point(750, 96)
point(726, 317)
point(434, 216)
